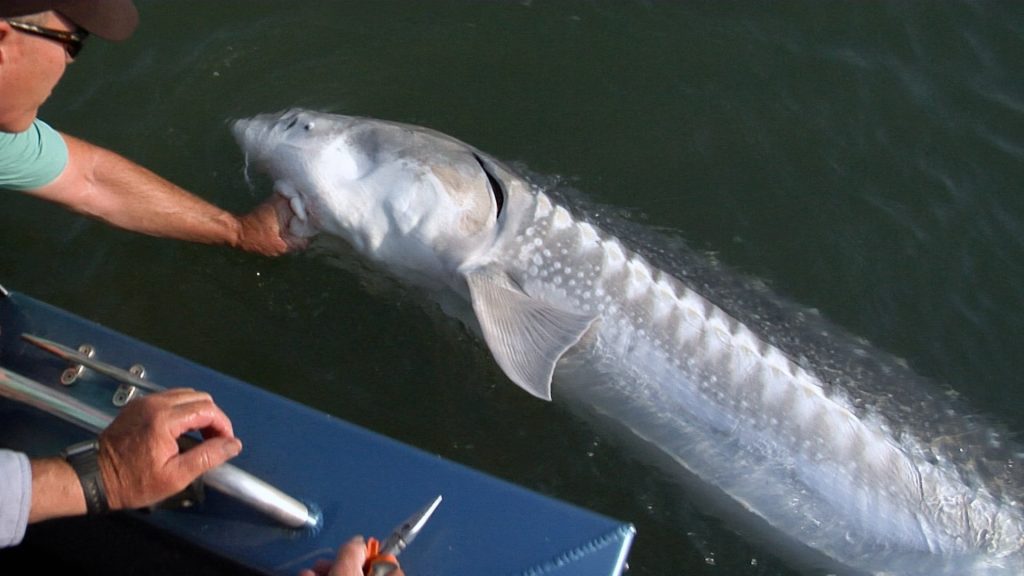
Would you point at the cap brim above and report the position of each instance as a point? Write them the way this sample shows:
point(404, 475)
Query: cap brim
point(15, 8)
point(108, 19)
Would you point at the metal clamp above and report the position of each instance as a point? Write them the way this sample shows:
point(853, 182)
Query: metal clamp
point(130, 381)
point(75, 371)
point(127, 391)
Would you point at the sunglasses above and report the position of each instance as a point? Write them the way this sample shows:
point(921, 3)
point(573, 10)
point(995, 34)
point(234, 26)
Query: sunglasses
point(72, 41)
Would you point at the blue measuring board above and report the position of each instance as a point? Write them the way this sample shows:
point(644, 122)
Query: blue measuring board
point(485, 525)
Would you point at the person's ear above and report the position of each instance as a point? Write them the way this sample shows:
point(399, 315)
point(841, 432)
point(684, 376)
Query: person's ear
point(5, 33)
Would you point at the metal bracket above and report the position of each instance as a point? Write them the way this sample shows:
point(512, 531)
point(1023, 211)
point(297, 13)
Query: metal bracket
point(71, 375)
point(130, 380)
point(125, 393)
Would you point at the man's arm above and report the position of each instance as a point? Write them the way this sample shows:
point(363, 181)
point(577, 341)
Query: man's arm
point(55, 490)
point(107, 186)
point(139, 460)
point(139, 456)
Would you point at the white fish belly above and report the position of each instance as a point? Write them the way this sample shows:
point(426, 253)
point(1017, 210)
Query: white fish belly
point(737, 412)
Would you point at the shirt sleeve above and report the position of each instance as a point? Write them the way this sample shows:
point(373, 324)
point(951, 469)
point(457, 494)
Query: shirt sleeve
point(33, 158)
point(15, 496)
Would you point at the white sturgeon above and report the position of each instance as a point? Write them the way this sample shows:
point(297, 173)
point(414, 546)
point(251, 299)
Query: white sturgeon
point(874, 476)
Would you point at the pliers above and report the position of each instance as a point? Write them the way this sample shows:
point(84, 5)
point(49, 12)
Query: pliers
point(381, 556)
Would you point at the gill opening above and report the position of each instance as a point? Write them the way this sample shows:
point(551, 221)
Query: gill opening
point(496, 190)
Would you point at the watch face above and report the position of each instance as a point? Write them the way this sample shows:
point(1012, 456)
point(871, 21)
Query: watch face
point(81, 448)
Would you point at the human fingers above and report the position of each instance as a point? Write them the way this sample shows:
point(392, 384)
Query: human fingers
point(295, 231)
point(174, 412)
point(202, 457)
point(350, 559)
point(139, 453)
point(264, 230)
point(322, 568)
point(198, 412)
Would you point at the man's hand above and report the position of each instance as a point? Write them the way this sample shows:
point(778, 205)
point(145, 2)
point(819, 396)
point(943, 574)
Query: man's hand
point(349, 562)
point(265, 230)
point(139, 456)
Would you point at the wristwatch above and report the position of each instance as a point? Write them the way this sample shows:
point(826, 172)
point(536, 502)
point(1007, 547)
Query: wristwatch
point(83, 457)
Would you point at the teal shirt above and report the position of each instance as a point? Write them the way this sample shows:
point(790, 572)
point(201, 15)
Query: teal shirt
point(33, 158)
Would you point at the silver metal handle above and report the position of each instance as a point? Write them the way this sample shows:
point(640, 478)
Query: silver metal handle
point(226, 478)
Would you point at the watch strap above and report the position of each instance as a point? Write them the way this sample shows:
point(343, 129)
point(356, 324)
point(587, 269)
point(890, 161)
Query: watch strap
point(84, 458)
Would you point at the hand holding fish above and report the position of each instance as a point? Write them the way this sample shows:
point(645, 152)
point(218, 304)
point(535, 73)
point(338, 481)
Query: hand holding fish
point(265, 229)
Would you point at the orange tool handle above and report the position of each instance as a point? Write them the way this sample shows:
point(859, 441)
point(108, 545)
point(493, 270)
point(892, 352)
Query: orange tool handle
point(378, 564)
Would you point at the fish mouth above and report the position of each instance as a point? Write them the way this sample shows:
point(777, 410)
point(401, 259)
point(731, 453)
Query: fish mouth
point(239, 127)
point(247, 171)
point(248, 129)
point(249, 133)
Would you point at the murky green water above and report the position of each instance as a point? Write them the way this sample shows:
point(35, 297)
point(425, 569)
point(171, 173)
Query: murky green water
point(863, 159)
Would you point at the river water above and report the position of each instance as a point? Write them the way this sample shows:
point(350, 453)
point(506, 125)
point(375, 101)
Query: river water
point(861, 159)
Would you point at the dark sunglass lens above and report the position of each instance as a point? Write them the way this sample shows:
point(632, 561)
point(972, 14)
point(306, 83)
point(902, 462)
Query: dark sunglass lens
point(72, 41)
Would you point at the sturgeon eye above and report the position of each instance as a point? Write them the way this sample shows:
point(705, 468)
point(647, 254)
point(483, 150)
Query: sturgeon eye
point(309, 126)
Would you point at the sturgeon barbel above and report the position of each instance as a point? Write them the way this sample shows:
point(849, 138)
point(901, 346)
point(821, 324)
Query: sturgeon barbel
point(877, 476)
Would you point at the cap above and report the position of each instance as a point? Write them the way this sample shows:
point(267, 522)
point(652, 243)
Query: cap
point(108, 19)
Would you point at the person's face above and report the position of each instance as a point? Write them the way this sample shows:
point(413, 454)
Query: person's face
point(30, 67)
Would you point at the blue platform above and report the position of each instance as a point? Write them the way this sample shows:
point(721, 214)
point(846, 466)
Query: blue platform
point(361, 482)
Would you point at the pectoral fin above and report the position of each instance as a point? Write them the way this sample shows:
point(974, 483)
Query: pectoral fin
point(526, 336)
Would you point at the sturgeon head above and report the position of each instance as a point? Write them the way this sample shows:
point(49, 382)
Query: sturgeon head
point(426, 207)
